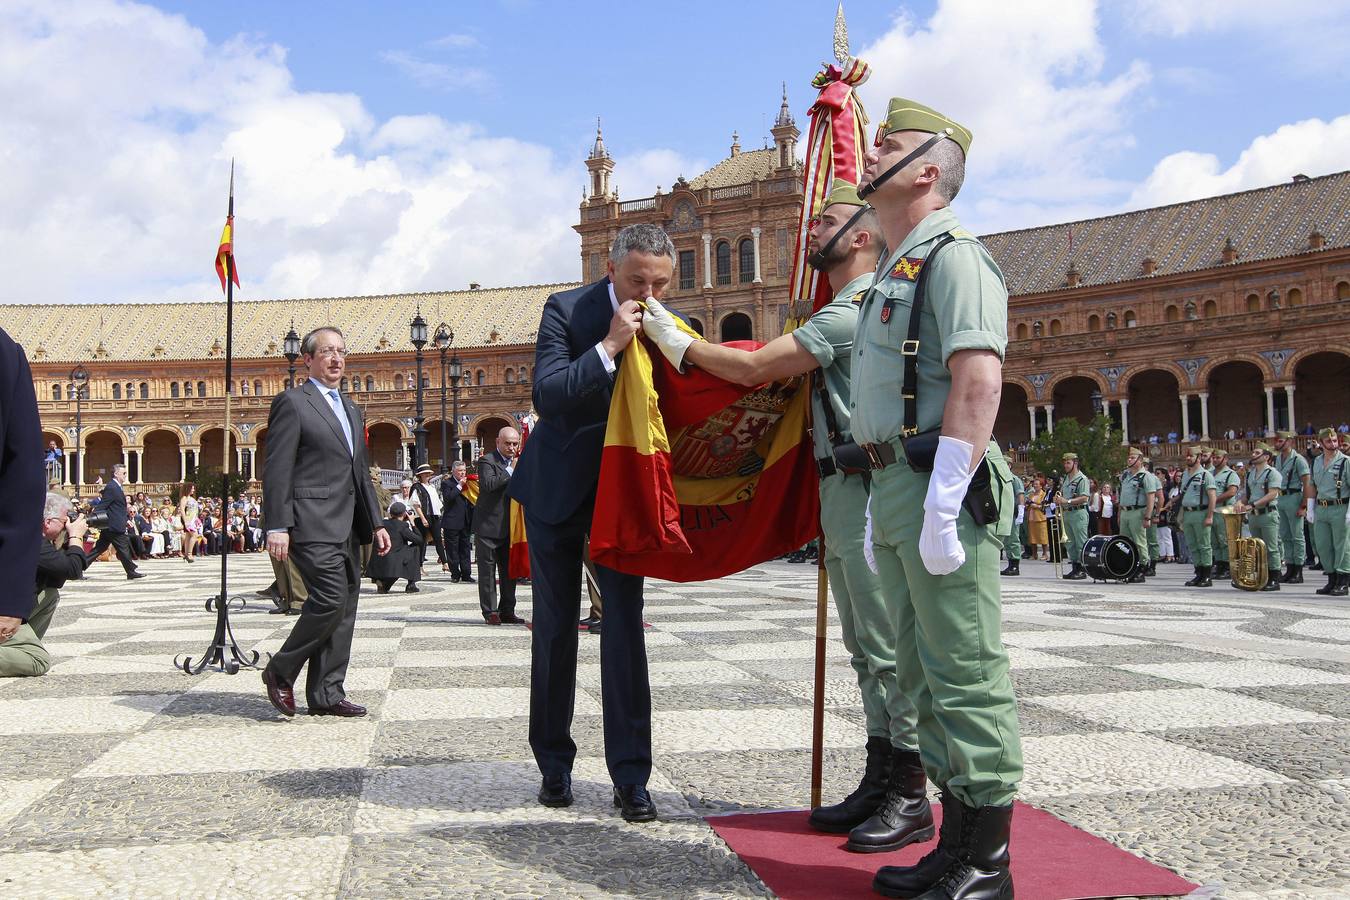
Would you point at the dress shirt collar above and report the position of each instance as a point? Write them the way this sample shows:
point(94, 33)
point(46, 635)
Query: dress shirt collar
point(613, 299)
point(323, 388)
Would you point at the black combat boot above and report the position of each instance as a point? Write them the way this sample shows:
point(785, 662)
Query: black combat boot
point(843, 817)
point(797, 556)
point(1075, 573)
point(1332, 582)
point(1205, 572)
point(1014, 567)
point(1273, 581)
point(1294, 575)
point(909, 881)
point(1221, 569)
point(1342, 585)
point(1196, 580)
point(1136, 575)
point(904, 816)
point(981, 869)
point(1152, 569)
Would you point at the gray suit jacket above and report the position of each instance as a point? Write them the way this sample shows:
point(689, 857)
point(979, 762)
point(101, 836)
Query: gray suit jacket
point(312, 485)
point(491, 514)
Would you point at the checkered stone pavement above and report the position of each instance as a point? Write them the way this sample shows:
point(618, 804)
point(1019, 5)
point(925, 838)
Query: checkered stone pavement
point(1208, 731)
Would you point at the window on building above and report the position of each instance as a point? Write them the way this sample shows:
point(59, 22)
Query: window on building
point(187, 389)
point(723, 254)
point(1094, 322)
point(737, 327)
point(1343, 290)
point(201, 389)
point(1056, 328)
point(482, 378)
point(173, 389)
point(1295, 297)
point(524, 375)
point(257, 387)
point(1131, 321)
point(426, 382)
point(597, 267)
point(1021, 331)
point(1173, 314)
point(117, 391)
point(370, 382)
point(243, 387)
point(745, 253)
point(510, 376)
point(782, 253)
point(398, 382)
point(56, 392)
point(1253, 303)
point(687, 273)
point(145, 390)
point(1211, 309)
point(356, 383)
point(342, 386)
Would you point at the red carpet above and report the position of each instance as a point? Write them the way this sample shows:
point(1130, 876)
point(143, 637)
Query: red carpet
point(1051, 860)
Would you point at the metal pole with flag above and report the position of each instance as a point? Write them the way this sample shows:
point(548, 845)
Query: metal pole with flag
point(223, 639)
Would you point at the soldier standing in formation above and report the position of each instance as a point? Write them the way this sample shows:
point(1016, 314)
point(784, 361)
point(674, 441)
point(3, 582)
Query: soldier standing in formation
point(1263, 520)
point(1198, 496)
point(1226, 483)
point(1012, 544)
point(1151, 523)
point(1293, 504)
point(1329, 513)
point(1136, 508)
point(1074, 496)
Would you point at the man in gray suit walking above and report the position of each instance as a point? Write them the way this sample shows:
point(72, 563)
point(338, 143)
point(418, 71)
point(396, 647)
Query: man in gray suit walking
point(319, 506)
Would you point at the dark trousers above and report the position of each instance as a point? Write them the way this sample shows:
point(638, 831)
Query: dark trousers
point(493, 561)
point(322, 636)
point(555, 577)
point(432, 535)
point(456, 541)
point(121, 545)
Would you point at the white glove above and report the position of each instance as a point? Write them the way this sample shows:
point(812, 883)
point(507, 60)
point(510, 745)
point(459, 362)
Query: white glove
point(868, 555)
point(1309, 515)
point(939, 546)
point(1021, 514)
point(662, 330)
point(1347, 516)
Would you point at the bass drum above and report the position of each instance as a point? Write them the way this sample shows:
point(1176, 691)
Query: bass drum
point(1109, 557)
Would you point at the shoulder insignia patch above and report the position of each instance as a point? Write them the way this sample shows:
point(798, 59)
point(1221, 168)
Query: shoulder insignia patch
point(960, 233)
point(907, 268)
point(857, 298)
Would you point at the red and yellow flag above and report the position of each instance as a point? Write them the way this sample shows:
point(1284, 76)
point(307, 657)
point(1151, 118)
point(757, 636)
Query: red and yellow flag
point(225, 266)
point(518, 561)
point(470, 491)
point(701, 478)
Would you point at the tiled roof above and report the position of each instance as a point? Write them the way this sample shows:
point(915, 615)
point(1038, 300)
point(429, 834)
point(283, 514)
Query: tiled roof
point(1265, 223)
point(133, 331)
point(739, 169)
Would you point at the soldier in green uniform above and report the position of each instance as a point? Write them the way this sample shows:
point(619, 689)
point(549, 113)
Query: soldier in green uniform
point(1074, 496)
point(890, 808)
point(1329, 512)
point(1198, 496)
point(927, 372)
point(1136, 509)
point(1262, 508)
point(1012, 544)
point(1295, 475)
point(1226, 482)
point(1151, 524)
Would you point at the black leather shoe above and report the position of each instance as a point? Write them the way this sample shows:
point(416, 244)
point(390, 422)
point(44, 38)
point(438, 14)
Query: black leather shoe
point(904, 817)
point(855, 809)
point(467, 580)
point(981, 868)
point(1014, 568)
point(134, 575)
point(556, 791)
point(512, 619)
point(909, 881)
point(595, 628)
point(412, 589)
point(1341, 585)
point(1075, 573)
point(345, 709)
point(587, 622)
point(1220, 569)
point(1272, 581)
point(635, 802)
point(1295, 575)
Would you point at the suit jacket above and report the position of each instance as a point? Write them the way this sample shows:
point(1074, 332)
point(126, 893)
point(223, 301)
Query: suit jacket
point(492, 513)
point(313, 486)
point(113, 501)
point(404, 559)
point(560, 466)
point(23, 483)
point(57, 565)
point(456, 510)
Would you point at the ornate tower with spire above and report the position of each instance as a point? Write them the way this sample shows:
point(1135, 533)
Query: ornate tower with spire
point(785, 134)
point(601, 166)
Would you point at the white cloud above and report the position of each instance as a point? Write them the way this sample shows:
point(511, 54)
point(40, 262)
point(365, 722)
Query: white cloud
point(1029, 79)
point(1312, 147)
point(640, 174)
point(1182, 18)
point(456, 41)
point(438, 76)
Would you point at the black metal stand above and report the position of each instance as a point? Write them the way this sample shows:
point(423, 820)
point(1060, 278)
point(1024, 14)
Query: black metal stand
point(224, 652)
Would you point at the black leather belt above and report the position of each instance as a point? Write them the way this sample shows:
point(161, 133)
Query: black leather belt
point(1287, 491)
point(1261, 510)
point(1131, 507)
point(1339, 502)
point(879, 456)
point(1193, 508)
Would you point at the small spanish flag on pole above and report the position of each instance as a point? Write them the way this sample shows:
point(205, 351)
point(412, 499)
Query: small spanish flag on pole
point(225, 266)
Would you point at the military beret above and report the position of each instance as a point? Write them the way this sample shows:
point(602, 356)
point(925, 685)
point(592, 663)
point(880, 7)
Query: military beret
point(1218, 451)
point(1134, 451)
point(1327, 432)
point(1198, 451)
point(906, 115)
point(1264, 448)
point(1285, 434)
point(1068, 456)
point(845, 192)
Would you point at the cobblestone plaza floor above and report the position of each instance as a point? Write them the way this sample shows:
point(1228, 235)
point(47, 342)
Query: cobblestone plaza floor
point(1208, 731)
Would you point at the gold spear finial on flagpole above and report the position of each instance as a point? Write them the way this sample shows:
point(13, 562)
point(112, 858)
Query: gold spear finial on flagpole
point(840, 36)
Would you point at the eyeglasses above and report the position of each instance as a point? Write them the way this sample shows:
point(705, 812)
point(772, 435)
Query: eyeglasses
point(332, 351)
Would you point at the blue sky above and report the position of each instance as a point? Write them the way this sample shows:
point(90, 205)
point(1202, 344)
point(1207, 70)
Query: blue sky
point(417, 146)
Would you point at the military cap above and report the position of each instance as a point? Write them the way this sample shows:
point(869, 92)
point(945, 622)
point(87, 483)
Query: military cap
point(1264, 448)
point(1287, 435)
point(845, 192)
point(1147, 462)
point(1327, 432)
point(1134, 451)
point(1218, 451)
point(1069, 456)
point(1197, 450)
point(906, 115)
point(1202, 450)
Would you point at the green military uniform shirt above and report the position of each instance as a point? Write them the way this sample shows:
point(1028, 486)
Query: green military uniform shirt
point(1292, 471)
point(1324, 478)
point(1151, 485)
point(1077, 486)
point(1195, 488)
point(828, 336)
point(1259, 483)
point(976, 318)
point(1224, 479)
point(1134, 488)
point(1019, 490)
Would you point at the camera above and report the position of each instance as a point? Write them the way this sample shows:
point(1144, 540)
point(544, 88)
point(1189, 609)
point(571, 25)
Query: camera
point(97, 519)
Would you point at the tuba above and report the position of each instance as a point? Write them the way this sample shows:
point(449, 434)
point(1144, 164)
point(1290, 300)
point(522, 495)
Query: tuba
point(1246, 555)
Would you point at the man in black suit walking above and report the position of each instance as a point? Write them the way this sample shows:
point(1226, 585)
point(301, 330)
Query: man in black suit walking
point(492, 530)
point(320, 507)
point(456, 522)
point(114, 503)
point(581, 336)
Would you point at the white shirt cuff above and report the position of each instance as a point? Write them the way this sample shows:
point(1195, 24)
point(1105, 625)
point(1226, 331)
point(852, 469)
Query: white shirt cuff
point(604, 358)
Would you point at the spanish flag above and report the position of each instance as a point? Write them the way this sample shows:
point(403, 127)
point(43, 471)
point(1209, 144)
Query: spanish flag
point(701, 478)
point(470, 491)
point(225, 266)
point(518, 560)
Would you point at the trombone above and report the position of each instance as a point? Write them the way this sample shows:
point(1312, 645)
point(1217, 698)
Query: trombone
point(1054, 523)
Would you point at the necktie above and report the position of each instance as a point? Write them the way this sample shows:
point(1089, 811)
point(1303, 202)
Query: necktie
point(342, 418)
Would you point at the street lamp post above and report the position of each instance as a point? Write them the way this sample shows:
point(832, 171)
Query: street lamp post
point(79, 380)
point(444, 338)
point(291, 347)
point(418, 332)
point(456, 373)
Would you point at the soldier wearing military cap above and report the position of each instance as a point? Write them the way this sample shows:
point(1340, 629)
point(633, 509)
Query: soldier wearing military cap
point(1329, 513)
point(1137, 498)
point(1196, 517)
point(1151, 525)
point(1074, 496)
point(1293, 504)
point(927, 371)
point(1226, 482)
point(1263, 484)
point(889, 809)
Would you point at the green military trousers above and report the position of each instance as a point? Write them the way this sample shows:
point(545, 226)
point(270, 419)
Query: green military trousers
point(1012, 544)
point(1132, 527)
point(1267, 528)
point(23, 654)
point(1199, 535)
point(950, 657)
point(1076, 525)
point(867, 620)
point(1329, 539)
point(1292, 547)
point(1218, 538)
point(1154, 553)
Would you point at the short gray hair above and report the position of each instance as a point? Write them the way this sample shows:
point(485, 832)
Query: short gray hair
point(57, 505)
point(310, 345)
point(950, 159)
point(649, 239)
